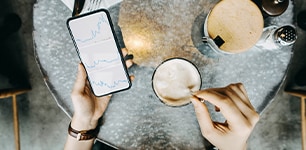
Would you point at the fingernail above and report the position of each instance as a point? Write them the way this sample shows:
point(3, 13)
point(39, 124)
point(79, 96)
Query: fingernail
point(202, 100)
point(194, 93)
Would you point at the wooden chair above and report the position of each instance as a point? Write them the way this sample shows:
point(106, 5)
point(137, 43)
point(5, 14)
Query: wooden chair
point(302, 95)
point(6, 93)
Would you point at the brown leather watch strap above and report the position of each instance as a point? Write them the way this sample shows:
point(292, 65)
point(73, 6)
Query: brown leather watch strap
point(84, 134)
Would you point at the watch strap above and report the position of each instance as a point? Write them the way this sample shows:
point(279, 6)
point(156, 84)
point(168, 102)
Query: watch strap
point(83, 134)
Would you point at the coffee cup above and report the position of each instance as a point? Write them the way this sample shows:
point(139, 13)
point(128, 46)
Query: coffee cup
point(174, 81)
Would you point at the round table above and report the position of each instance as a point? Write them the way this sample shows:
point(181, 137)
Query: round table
point(155, 31)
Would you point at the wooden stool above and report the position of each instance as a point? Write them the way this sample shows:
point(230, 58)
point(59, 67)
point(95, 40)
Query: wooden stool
point(6, 93)
point(235, 25)
point(302, 95)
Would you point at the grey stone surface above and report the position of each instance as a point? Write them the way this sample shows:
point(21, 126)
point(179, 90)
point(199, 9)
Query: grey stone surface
point(43, 125)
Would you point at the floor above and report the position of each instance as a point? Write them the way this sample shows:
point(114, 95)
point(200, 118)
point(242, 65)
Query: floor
point(44, 126)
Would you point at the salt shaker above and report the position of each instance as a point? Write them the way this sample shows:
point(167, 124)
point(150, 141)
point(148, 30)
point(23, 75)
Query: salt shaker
point(274, 37)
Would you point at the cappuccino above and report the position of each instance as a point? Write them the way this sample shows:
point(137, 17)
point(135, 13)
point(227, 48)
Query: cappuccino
point(174, 81)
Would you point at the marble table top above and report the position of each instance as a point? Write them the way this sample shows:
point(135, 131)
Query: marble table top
point(153, 31)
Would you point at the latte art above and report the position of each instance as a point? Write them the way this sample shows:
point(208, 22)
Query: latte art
point(174, 81)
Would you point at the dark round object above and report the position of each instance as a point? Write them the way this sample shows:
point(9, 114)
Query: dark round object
point(12, 23)
point(274, 7)
point(301, 19)
point(300, 78)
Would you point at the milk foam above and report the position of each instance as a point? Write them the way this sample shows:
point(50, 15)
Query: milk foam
point(174, 81)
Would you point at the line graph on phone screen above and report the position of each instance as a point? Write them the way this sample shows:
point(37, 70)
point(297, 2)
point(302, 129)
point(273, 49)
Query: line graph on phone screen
point(101, 55)
point(103, 64)
point(108, 80)
point(90, 30)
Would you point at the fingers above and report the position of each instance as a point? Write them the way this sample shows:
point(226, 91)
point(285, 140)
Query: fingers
point(203, 116)
point(80, 80)
point(132, 77)
point(226, 105)
point(233, 103)
point(129, 62)
point(103, 101)
point(243, 90)
point(124, 51)
point(242, 102)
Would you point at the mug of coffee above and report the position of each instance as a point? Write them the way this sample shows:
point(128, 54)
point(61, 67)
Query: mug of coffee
point(233, 26)
point(174, 81)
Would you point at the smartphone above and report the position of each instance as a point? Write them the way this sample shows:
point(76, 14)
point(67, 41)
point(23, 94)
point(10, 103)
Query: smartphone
point(98, 49)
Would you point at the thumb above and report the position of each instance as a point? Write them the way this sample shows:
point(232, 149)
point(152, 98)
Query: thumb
point(80, 80)
point(203, 116)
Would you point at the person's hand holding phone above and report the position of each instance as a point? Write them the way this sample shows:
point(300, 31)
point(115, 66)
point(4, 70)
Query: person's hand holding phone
point(240, 115)
point(87, 107)
point(102, 72)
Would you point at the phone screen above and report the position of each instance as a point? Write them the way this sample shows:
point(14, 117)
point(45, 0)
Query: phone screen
point(98, 49)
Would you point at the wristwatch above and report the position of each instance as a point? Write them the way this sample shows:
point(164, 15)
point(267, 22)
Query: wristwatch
point(84, 134)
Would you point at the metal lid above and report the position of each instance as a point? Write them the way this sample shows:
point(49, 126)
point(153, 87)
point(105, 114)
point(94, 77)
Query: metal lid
point(274, 7)
point(230, 25)
point(285, 35)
